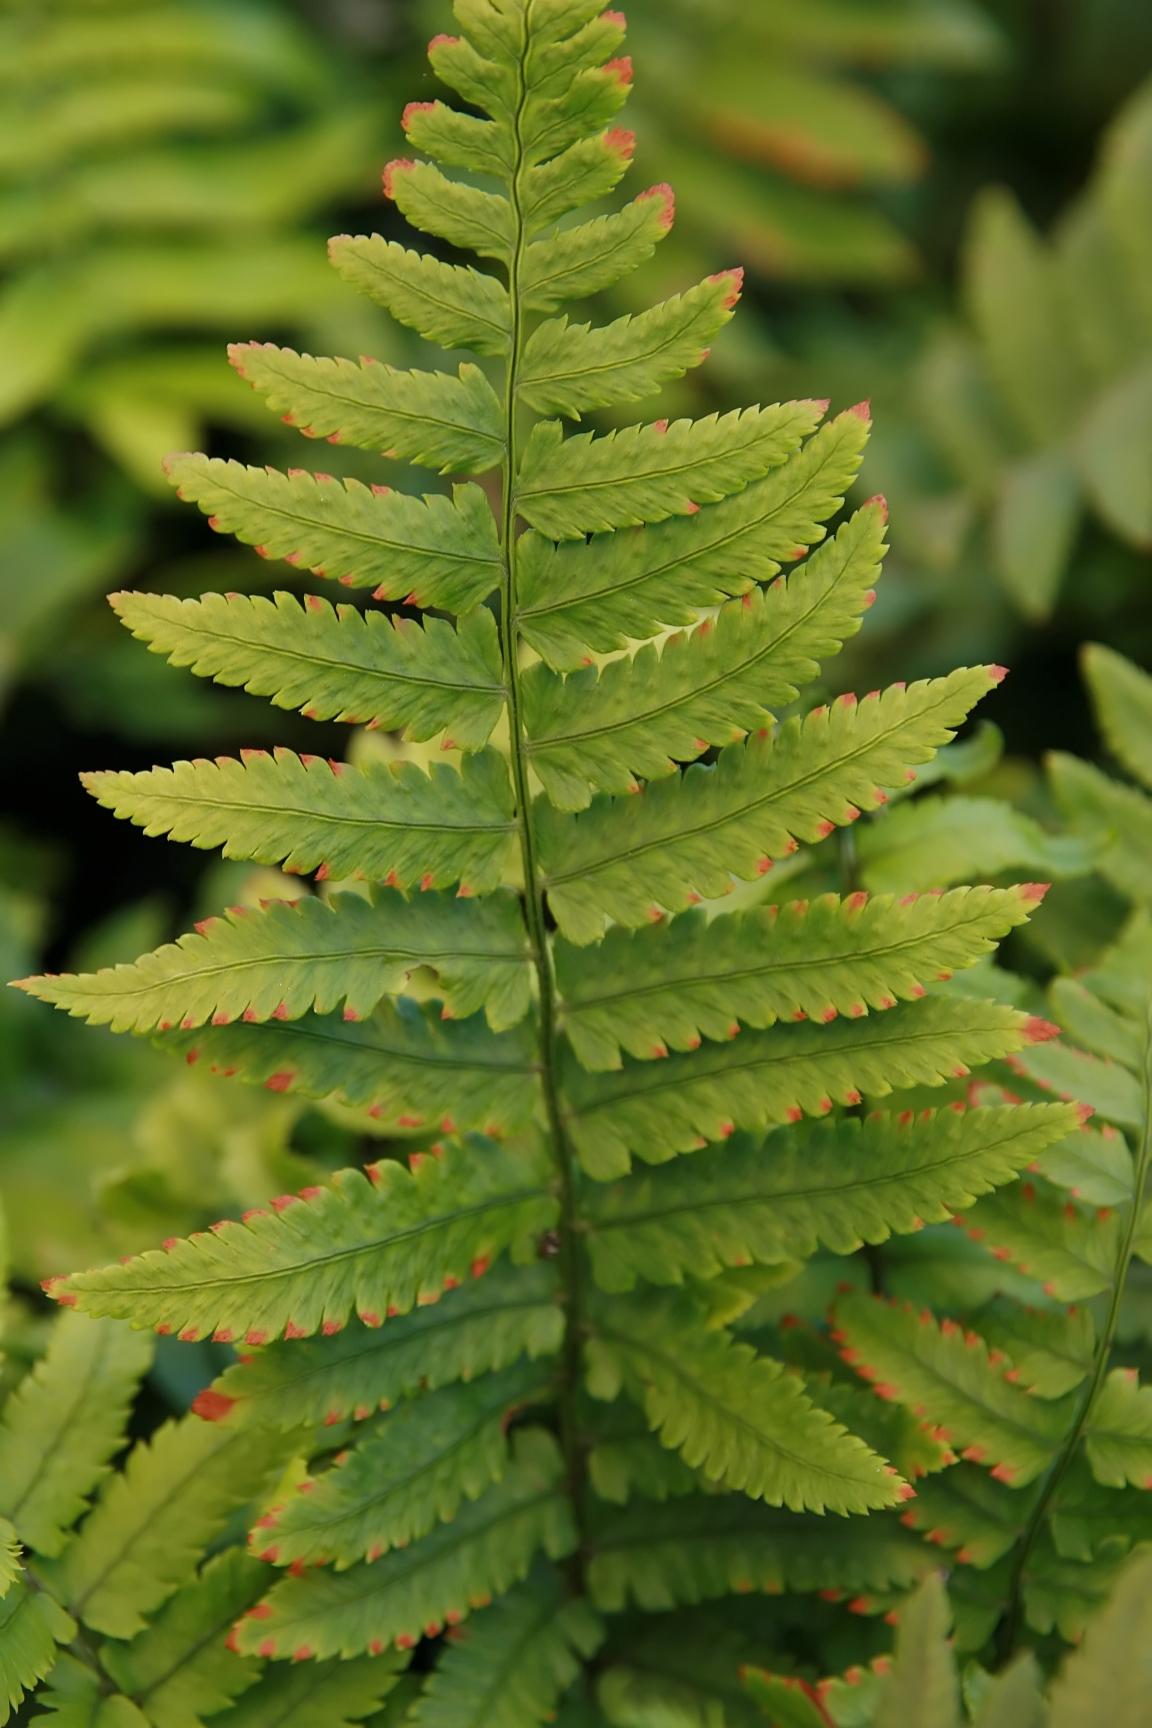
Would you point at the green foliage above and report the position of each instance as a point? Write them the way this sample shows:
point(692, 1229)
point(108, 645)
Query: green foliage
point(1044, 411)
point(561, 1428)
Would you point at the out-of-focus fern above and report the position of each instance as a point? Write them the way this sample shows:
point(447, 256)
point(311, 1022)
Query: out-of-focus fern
point(1043, 407)
point(524, 1321)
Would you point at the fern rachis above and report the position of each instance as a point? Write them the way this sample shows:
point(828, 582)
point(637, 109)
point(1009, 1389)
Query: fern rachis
point(600, 1062)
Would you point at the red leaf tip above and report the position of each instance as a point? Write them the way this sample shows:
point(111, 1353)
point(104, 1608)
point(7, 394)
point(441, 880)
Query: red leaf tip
point(1038, 1031)
point(878, 502)
point(620, 140)
point(617, 18)
point(620, 68)
point(862, 410)
point(402, 165)
point(442, 41)
point(997, 674)
point(415, 108)
point(212, 1406)
point(1034, 891)
point(735, 279)
point(665, 193)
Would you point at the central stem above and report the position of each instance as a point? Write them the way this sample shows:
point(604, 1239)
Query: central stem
point(1006, 1637)
point(570, 1252)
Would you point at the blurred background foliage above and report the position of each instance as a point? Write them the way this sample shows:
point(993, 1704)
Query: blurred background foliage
point(944, 206)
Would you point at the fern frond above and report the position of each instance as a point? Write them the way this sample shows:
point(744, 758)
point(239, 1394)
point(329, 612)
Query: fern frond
point(691, 835)
point(693, 1550)
point(450, 304)
point(63, 1425)
point(389, 822)
point(452, 424)
point(323, 1695)
point(912, 1357)
point(574, 597)
point(1117, 817)
point(570, 368)
point(179, 1669)
point(32, 1627)
point(430, 551)
point(292, 956)
point(413, 1470)
point(657, 1109)
point(1070, 1251)
point(594, 255)
point(487, 1549)
point(569, 487)
point(451, 210)
point(153, 1521)
point(666, 986)
point(587, 731)
point(334, 663)
point(833, 1185)
point(739, 1418)
point(405, 1065)
point(518, 1660)
point(950, 839)
point(1122, 698)
point(481, 1328)
point(390, 1239)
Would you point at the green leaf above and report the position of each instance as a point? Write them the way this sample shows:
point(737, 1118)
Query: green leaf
point(587, 730)
point(1115, 453)
point(451, 210)
point(568, 487)
point(1117, 817)
point(390, 822)
point(915, 1359)
point(1122, 699)
point(481, 1328)
point(321, 1695)
point(1118, 1432)
point(32, 1625)
point(935, 841)
point(10, 1557)
point(741, 1419)
point(833, 1185)
point(1072, 1253)
point(694, 1550)
point(148, 1530)
point(690, 835)
point(1035, 520)
point(657, 1109)
point(667, 985)
point(570, 368)
point(573, 597)
point(292, 956)
point(179, 1669)
point(921, 1690)
point(430, 551)
point(405, 1065)
point(594, 255)
point(1014, 296)
point(453, 424)
point(1102, 1685)
point(446, 303)
point(520, 1656)
point(334, 663)
point(487, 1549)
point(63, 1425)
point(412, 1470)
point(390, 1238)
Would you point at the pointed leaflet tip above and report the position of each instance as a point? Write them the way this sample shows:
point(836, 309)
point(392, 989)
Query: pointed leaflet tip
point(665, 193)
point(1038, 1031)
point(622, 141)
point(878, 502)
point(735, 279)
point(997, 673)
point(402, 165)
point(617, 18)
point(621, 69)
point(862, 411)
point(1033, 892)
